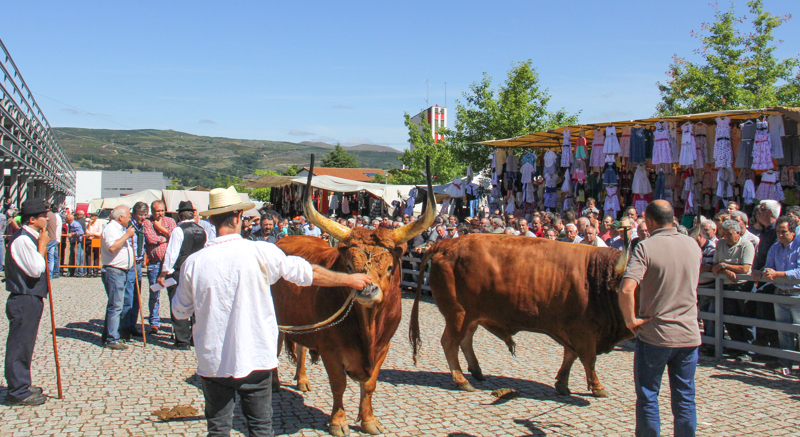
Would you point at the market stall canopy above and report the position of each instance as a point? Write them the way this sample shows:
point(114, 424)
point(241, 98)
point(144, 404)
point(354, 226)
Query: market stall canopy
point(146, 196)
point(199, 200)
point(270, 181)
point(553, 138)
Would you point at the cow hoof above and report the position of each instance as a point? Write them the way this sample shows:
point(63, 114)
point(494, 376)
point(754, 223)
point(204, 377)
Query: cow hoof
point(478, 375)
point(340, 431)
point(465, 387)
point(373, 428)
point(303, 387)
point(599, 393)
point(563, 389)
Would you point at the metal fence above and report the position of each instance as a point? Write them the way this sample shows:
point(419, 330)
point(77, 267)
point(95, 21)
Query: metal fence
point(720, 319)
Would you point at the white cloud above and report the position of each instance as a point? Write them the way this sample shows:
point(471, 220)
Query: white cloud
point(300, 133)
point(207, 121)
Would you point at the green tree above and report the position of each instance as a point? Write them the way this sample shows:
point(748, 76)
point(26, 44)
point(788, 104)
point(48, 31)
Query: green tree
point(443, 164)
point(339, 158)
point(517, 107)
point(262, 194)
point(737, 69)
point(173, 184)
point(292, 170)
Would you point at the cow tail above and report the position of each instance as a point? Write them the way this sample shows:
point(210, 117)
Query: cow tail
point(413, 328)
point(290, 349)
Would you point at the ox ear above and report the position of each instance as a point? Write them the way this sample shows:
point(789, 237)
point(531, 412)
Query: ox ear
point(400, 250)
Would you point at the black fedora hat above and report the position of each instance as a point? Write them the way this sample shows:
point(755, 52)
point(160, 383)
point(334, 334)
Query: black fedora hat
point(185, 205)
point(33, 207)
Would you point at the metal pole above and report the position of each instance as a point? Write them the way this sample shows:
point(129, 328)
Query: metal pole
point(718, 328)
point(53, 326)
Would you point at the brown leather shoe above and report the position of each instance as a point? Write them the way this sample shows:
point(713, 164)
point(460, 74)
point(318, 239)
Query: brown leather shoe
point(116, 346)
point(31, 401)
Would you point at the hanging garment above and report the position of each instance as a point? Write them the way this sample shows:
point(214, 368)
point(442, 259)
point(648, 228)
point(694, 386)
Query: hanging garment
point(661, 150)
point(610, 174)
point(784, 178)
point(566, 149)
point(791, 144)
point(711, 131)
point(640, 202)
point(333, 202)
point(512, 163)
point(658, 194)
point(776, 131)
point(611, 204)
point(580, 148)
point(688, 147)
point(529, 158)
point(637, 145)
point(346, 206)
point(674, 141)
point(567, 185)
point(625, 143)
point(611, 144)
point(744, 156)
point(550, 159)
point(526, 171)
point(456, 188)
point(770, 188)
point(723, 155)
point(700, 145)
point(649, 139)
point(641, 183)
point(580, 172)
point(748, 193)
point(598, 156)
point(725, 180)
point(762, 150)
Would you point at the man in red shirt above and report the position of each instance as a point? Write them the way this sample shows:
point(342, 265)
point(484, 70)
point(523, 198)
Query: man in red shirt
point(156, 236)
point(536, 226)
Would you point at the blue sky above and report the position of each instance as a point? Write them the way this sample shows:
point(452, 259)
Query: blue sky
point(340, 71)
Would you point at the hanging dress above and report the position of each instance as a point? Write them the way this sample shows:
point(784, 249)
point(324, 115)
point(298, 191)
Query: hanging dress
point(749, 192)
point(625, 143)
point(770, 188)
point(566, 150)
point(610, 174)
point(637, 141)
point(776, 131)
point(611, 145)
point(674, 141)
point(723, 155)
point(580, 148)
point(725, 179)
point(687, 145)
point(762, 150)
point(744, 156)
point(550, 158)
point(661, 150)
point(611, 204)
point(791, 144)
point(641, 183)
point(598, 157)
point(700, 145)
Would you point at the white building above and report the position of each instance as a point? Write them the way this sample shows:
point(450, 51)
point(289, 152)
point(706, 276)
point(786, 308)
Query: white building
point(437, 119)
point(94, 184)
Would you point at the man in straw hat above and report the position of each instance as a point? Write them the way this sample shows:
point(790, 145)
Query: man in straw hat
point(26, 281)
point(187, 238)
point(226, 286)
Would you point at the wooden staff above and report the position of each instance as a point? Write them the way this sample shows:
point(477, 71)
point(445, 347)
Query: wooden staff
point(53, 325)
point(139, 296)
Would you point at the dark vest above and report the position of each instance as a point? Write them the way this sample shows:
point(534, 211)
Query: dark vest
point(17, 282)
point(194, 238)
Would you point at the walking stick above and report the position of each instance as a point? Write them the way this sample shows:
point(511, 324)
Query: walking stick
point(141, 310)
point(53, 325)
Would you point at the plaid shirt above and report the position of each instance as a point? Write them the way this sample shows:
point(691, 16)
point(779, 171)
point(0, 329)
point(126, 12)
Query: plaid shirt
point(154, 247)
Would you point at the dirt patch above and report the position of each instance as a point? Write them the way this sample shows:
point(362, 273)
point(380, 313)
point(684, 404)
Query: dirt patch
point(178, 412)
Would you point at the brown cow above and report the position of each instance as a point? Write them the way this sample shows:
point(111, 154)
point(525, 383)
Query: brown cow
point(357, 346)
point(509, 284)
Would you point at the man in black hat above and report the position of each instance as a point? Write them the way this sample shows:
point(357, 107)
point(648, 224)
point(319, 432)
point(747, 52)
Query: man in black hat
point(26, 280)
point(187, 238)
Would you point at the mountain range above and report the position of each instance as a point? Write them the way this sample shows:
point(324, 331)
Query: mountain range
point(198, 160)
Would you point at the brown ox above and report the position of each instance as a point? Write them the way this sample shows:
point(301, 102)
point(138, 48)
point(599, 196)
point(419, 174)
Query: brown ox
point(357, 346)
point(509, 284)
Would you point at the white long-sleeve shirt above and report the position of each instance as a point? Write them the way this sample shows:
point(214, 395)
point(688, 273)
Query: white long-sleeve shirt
point(174, 248)
point(227, 288)
point(26, 254)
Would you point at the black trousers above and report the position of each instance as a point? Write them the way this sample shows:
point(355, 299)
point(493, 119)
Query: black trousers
point(24, 312)
point(255, 393)
point(181, 328)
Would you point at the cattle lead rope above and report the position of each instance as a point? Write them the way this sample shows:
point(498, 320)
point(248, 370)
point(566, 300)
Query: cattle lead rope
point(327, 323)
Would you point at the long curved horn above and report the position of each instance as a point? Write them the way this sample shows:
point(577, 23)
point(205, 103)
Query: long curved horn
point(622, 263)
point(411, 230)
point(336, 230)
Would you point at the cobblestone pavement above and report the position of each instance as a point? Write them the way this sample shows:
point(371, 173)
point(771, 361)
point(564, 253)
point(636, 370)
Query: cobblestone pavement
point(114, 392)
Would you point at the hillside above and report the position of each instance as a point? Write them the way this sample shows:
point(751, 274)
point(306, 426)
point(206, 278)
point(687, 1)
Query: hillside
point(195, 159)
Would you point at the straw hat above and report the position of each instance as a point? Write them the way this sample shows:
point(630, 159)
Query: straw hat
point(222, 200)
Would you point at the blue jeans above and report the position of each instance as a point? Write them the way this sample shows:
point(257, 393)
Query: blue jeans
point(2, 252)
point(53, 260)
point(76, 258)
point(787, 314)
point(153, 270)
point(648, 367)
point(130, 305)
point(114, 282)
